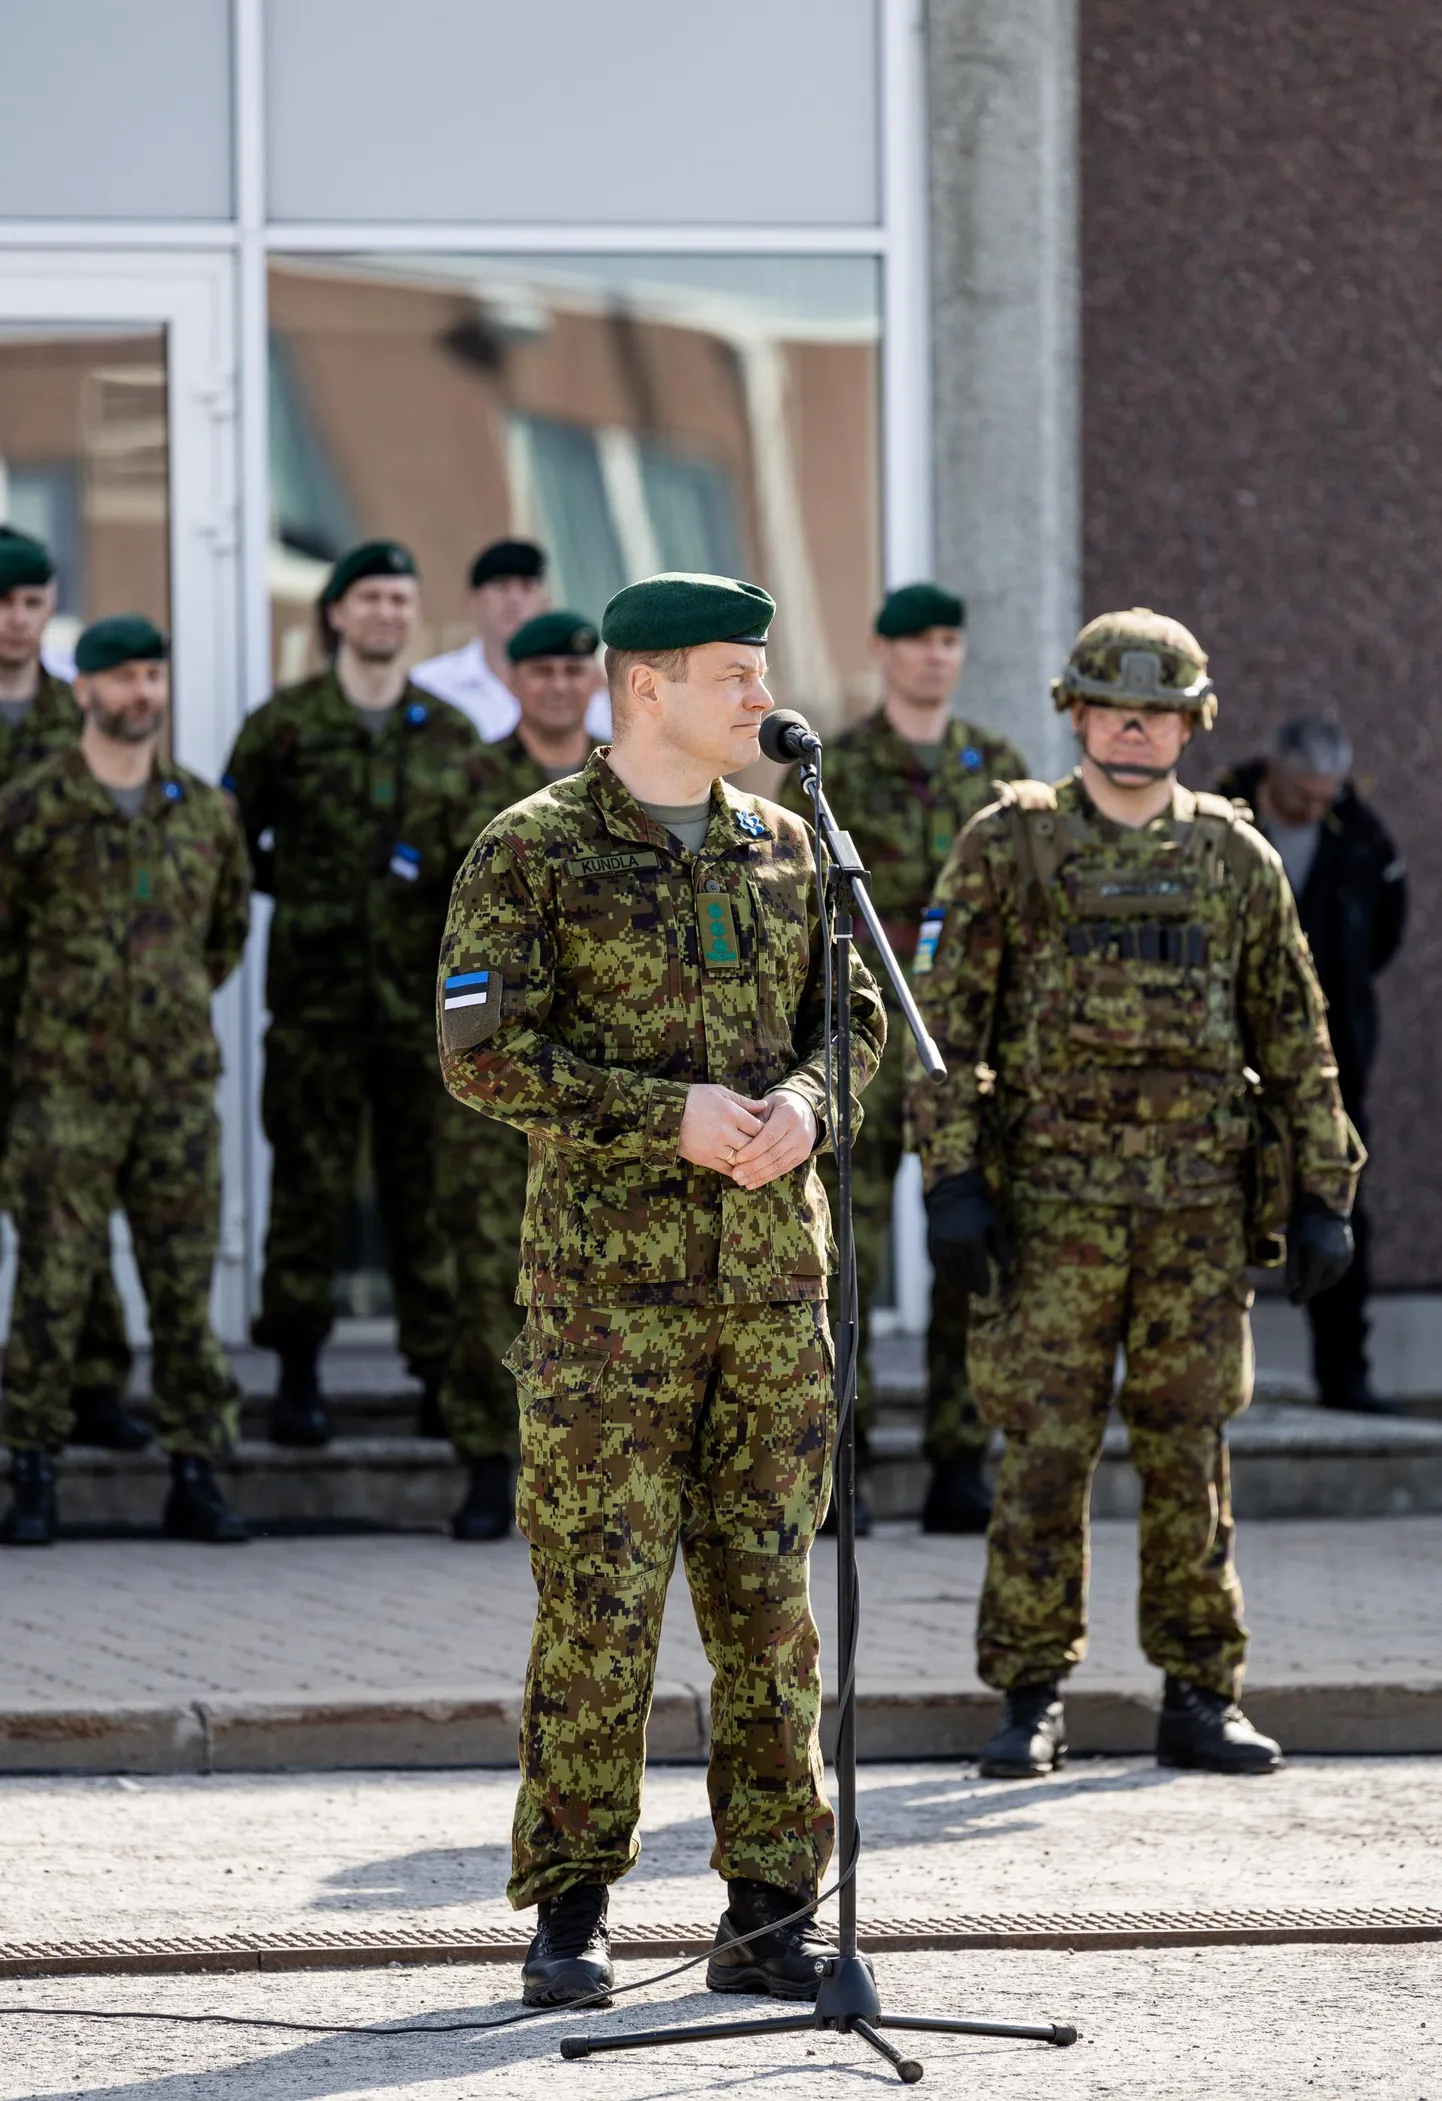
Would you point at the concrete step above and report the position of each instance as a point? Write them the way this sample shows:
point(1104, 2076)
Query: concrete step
point(1286, 1462)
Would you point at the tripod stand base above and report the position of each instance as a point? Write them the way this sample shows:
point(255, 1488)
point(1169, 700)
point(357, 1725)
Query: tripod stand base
point(847, 2004)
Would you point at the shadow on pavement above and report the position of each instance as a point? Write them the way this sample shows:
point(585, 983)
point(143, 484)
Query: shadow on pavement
point(945, 1807)
point(351, 2064)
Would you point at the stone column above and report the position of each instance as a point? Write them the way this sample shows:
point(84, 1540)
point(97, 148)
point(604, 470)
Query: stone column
point(1005, 300)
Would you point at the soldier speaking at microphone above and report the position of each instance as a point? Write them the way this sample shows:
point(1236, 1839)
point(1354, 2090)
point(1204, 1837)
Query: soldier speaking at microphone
point(1116, 978)
point(632, 974)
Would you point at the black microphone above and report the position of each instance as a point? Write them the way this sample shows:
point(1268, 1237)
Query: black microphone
point(785, 735)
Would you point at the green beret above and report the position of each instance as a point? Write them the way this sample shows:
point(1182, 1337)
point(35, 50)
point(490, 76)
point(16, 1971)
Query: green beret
point(507, 558)
point(126, 638)
point(553, 635)
point(679, 611)
point(23, 561)
point(371, 558)
point(916, 607)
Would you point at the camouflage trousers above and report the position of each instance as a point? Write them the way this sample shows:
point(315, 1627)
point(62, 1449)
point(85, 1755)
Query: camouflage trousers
point(1169, 1288)
point(318, 1083)
point(953, 1429)
point(102, 1355)
point(70, 1163)
point(644, 1428)
point(480, 1201)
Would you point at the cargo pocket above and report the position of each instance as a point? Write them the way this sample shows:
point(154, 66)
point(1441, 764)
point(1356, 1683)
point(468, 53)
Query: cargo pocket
point(561, 1492)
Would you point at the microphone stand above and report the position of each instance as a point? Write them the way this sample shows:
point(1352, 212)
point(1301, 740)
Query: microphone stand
point(847, 2002)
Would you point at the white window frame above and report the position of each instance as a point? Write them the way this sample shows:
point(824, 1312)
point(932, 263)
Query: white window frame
point(119, 252)
point(188, 295)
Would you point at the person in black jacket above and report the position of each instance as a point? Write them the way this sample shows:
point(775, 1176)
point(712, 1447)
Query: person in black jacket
point(1351, 892)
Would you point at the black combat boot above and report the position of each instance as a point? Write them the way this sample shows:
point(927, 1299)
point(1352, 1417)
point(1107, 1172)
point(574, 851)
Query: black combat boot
point(787, 1961)
point(958, 1501)
point(30, 1520)
point(1207, 1732)
point(196, 1509)
point(1031, 1741)
point(489, 1509)
point(570, 1956)
point(299, 1415)
point(102, 1418)
point(430, 1422)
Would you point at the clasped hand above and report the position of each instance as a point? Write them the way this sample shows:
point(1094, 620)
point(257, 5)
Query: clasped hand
point(749, 1142)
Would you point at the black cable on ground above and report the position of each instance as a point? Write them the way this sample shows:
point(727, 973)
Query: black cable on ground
point(510, 2020)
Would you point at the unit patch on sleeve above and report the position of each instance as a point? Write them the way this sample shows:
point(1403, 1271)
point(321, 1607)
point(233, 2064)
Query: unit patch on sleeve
point(470, 1008)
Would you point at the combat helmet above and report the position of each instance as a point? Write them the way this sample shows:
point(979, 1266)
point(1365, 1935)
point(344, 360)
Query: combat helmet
point(1138, 659)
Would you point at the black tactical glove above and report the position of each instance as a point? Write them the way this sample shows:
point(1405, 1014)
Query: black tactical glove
point(1319, 1249)
point(964, 1233)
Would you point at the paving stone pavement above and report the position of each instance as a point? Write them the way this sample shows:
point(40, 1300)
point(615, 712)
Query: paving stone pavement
point(1240, 2024)
point(1267, 2023)
point(150, 1858)
point(1347, 1601)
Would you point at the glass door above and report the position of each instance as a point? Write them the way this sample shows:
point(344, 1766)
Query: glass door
point(117, 448)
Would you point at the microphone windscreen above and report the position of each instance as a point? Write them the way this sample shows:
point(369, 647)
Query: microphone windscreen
point(779, 734)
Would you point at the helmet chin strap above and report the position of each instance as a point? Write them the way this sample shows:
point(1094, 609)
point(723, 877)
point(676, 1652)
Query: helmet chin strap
point(1126, 773)
point(1130, 776)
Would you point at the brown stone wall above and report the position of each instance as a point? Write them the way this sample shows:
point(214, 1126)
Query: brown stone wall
point(1262, 424)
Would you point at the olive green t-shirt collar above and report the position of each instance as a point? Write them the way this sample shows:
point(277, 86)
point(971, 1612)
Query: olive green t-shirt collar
point(87, 789)
point(625, 819)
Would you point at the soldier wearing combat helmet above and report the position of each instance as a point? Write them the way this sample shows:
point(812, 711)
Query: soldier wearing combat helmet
point(1141, 1098)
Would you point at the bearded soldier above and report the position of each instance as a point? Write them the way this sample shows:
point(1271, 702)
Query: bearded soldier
point(124, 906)
point(39, 716)
point(1115, 975)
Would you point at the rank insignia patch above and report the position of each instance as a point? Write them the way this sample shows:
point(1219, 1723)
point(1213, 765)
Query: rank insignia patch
point(718, 934)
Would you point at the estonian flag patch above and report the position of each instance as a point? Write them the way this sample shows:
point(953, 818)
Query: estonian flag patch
point(467, 990)
point(470, 1008)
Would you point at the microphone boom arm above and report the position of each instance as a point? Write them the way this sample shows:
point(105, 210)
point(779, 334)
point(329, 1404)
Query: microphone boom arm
point(848, 862)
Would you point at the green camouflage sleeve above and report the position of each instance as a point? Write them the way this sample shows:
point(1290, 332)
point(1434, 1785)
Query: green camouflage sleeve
point(230, 912)
point(249, 778)
point(499, 946)
point(955, 983)
point(1285, 1027)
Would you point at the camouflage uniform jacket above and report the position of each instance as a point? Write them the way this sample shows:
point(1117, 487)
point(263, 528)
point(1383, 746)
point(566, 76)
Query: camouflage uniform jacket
point(593, 970)
point(116, 930)
point(1098, 993)
point(903, 818)
point(510, 775)
point(357, 836)
point(53, 722)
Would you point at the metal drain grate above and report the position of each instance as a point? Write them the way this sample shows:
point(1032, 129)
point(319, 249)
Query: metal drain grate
point(406, 1941)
